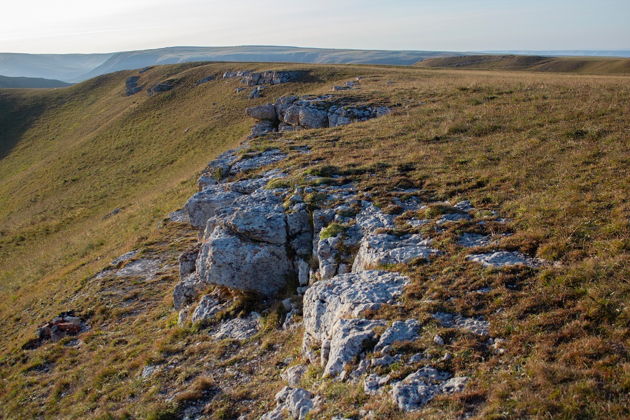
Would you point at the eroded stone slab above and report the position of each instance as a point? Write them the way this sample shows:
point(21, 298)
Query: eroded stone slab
point(504, 259)
point(474, 325)
point(379, 250)
point(238, 328)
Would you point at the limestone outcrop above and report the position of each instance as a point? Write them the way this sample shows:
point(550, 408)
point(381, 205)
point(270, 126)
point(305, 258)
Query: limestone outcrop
point(296, 113)
point(325, 253)
point(272, 77)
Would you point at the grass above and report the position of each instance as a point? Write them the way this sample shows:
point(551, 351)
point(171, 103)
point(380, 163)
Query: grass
point(583, 65)
point(548, 151)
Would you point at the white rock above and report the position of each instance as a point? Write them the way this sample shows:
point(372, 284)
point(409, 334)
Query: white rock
point(438, 340)
point(148, 371)
point(329, 304)
point(408, 330)
point(384, 249)
point(474, 325)
point(238, 328)
point(328, 256)
point(417, 389)
point(464, 206)
point(470, 240)
point(208, 307)
point(293, 375)
point(504, 259)
point(296, 402)
point(349, 338)
point(372, 218)
point(251, 163)
point(417, 358)
point(227, 259)
point(204, 205)
point(348, 295)
point(146, 268)
point(454, 385)
point(373, 383)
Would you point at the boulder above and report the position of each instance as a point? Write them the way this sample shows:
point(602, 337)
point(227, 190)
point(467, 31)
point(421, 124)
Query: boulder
point(261, 223)
point(229, 260)
point(283, 104)
point(384, 249)
point(205, 80)
point(345, 297)
point(292, 115)
point(349, 338)
point(262, 112)
point(418, 388)
point(328, 257)
point(238, 328)
point(399, 331)
point(256, 92)
point(204, 204)
point(310, 117)
point(371, 218)
point(293, 403)
point(217, 169)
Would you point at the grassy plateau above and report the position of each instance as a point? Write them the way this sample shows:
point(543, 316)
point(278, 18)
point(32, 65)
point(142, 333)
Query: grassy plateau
point(88, 173)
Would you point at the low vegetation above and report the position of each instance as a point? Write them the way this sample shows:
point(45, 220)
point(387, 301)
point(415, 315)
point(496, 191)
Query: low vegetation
point(584, 65)
point(88, 174)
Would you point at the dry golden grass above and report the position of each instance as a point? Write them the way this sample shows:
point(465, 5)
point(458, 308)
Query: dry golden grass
point(581, 65)
point(550, 152)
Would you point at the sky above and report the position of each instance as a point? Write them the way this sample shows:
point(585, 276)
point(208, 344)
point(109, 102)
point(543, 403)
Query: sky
point(87, 26)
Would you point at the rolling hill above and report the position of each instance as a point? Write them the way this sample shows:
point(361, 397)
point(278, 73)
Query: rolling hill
point(529, 164)
point(29, 82)
point(581, 65)
point(79, 67)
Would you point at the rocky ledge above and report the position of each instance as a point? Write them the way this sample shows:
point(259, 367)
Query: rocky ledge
point(261, 234)
point(291, 113)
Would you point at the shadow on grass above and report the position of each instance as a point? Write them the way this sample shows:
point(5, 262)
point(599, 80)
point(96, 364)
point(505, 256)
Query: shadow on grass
point(16, 116)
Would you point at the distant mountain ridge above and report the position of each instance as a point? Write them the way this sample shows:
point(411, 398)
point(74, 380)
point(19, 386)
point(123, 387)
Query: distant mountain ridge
point(79, 67)
point(29, 82)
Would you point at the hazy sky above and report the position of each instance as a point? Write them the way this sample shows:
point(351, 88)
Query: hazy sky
point(47, 26)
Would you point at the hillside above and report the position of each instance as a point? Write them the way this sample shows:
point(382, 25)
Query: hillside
point(467, 173)
point(66, 67)
point(580, 65)
point(79, 67)
point(29, 83)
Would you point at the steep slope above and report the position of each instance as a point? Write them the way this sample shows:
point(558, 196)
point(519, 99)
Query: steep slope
point(89, 172)
point(29, 83)
point(582, 65)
